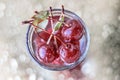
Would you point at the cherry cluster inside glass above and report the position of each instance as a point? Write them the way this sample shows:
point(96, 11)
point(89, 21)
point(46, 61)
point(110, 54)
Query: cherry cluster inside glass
point(60, 49)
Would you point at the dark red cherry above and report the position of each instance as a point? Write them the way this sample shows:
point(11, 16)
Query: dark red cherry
point(69, 53)
point(49, 30)
point(58, 62)
point(43, 35)
point(76, 43)
point(37, 41)
point(45, 53)
point(73, 31)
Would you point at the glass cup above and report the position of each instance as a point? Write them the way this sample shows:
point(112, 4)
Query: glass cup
point(84, 43)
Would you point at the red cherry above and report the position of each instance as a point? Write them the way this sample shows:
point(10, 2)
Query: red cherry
point(55, 19)
point(73, 32)
point(37, 41)
point(44, 35)
point(49, 30)
point(46, 53)
point(76, 43)
point(49, 53)
point(69, 53)
point(58, 61)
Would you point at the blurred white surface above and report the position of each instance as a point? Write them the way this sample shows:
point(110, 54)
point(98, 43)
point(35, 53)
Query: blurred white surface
point(102, 18)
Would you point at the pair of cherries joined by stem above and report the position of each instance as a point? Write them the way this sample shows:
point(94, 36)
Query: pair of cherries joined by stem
point(59, 42)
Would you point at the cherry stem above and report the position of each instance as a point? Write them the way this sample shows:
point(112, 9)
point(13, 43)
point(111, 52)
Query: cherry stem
point(39, 28)
point(62, 9)
point(63, 13)
point(51, 16)
point(36, 12)
point(60, 40)
point(26, 22)
point(48, 41)
point(35, 27)
point(36, 32)
point(64, 23)
point(55, 37)
point(56, 42)
point(53, 30)
point(51, 19)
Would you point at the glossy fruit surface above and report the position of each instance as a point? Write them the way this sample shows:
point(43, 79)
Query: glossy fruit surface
point(63, 47)
point(69, 53)
point(57, 39)
point(73, 31)
point(46, 53)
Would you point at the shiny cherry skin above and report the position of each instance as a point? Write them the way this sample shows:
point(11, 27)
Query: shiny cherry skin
point(46, 53)
point(58, 62)
point(61, 55)
point(69, 53)
point(37, 41)
point(73, 31)
point(43, 35)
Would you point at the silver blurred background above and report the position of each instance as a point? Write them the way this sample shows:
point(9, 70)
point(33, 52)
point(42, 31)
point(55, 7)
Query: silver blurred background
point(103, 20)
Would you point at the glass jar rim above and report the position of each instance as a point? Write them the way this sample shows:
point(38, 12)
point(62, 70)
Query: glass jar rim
point(81, 57)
